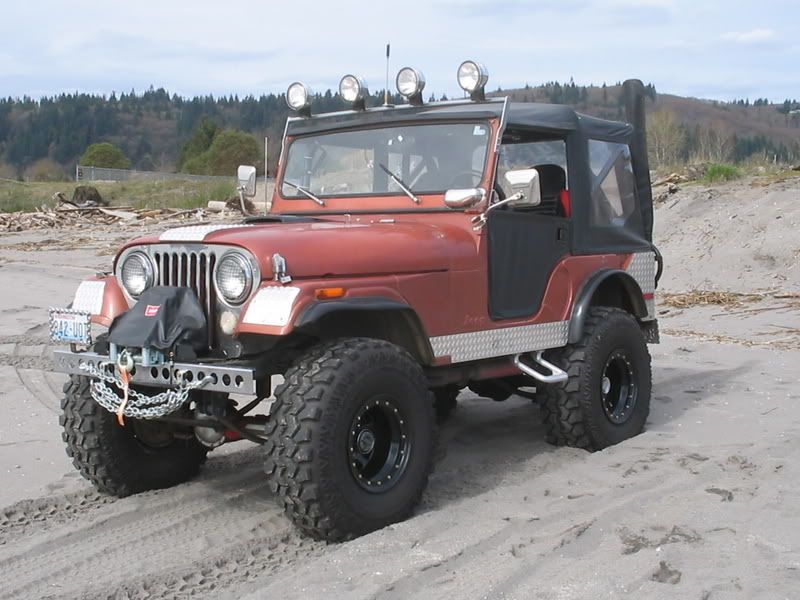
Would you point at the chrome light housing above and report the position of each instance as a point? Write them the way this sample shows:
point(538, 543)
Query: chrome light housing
point(472, 77)
point(410, 84)
point(137, 273)
point(353, 89)
point(233, 278)
point(298, 96)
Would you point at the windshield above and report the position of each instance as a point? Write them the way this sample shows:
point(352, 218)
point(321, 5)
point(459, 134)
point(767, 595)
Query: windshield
point(423, 158)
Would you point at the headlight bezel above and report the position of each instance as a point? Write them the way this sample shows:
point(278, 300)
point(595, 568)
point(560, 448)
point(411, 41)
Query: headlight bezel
point(250, 274)
point(149, 268)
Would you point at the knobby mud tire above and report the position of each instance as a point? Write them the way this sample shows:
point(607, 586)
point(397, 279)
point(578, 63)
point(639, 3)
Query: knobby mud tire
point(111, 457)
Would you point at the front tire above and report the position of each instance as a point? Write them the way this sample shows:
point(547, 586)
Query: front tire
point(352, 445)
point(143, 455)
point(606, 399)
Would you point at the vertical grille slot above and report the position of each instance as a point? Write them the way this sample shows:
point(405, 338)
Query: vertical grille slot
point(193, 269)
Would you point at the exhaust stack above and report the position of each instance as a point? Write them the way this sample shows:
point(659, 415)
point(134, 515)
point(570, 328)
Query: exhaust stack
point(634, 96)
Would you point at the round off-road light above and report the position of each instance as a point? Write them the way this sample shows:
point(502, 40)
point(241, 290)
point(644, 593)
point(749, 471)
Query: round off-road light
point(410, 82)
point(472, 76)
point(234, 278)
point(352, 88)
point(137, 274)
point(298, 96)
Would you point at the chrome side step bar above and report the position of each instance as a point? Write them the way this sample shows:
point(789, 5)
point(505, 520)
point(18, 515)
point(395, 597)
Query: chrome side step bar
point(556, 375)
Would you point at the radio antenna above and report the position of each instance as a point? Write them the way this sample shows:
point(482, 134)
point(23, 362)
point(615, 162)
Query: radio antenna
point(386, 91)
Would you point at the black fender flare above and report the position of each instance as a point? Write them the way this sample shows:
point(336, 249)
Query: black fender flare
point(584, 299)
point(308, 320)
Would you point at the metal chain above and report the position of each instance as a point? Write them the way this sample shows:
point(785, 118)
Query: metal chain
point(139, 406)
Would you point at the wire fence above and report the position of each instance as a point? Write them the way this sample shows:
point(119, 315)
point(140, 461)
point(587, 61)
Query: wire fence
point(83, 173)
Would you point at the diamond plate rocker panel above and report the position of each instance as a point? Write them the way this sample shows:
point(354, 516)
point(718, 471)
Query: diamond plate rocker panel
point(477, 345)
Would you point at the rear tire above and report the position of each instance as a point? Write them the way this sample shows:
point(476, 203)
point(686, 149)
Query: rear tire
point(113, 458)
point(606, 399)
point(353, 438)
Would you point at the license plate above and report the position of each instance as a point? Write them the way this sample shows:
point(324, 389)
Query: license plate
point(71, 327)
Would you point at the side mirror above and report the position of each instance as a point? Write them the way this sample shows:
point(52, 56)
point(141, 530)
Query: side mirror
point(526, 186)
point(247, 180)
point(465, 198)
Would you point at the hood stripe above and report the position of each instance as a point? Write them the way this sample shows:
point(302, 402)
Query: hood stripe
point(195, 233)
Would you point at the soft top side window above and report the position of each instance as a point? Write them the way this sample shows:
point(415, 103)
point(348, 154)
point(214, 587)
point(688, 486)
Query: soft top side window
point(613, 197)
point(524, 150)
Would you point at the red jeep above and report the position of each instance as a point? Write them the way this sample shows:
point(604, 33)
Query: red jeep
point(409, 252)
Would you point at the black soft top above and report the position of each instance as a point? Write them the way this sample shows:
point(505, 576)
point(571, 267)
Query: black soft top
point(555, 118)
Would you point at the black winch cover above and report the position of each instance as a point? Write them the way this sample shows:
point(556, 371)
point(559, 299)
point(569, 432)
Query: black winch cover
point(162, 318)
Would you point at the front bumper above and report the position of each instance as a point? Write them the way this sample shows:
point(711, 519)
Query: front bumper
point(224, 378)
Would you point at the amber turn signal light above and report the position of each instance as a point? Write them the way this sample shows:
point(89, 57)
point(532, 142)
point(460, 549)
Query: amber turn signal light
point(328, 293)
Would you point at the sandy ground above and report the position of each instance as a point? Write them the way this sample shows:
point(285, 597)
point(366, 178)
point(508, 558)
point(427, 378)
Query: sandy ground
point(705, 504)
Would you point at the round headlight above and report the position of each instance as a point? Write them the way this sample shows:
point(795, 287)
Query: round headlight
point(234, 278)
point(298, 96)
point(472, 76)
point(352, 88)
point(137, 274)
point(410, 81)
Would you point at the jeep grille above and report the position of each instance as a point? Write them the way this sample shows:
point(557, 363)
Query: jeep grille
point(193, 269)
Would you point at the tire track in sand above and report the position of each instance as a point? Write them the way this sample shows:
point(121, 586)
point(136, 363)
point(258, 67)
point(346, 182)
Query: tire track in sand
point(204, 535)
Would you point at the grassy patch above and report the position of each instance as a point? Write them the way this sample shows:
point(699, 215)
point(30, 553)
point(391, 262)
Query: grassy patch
point(138, 194)
point(719, 172)
point(765, 179)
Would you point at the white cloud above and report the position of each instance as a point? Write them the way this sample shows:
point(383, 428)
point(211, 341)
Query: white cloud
point(754, 36)
point(245, 47)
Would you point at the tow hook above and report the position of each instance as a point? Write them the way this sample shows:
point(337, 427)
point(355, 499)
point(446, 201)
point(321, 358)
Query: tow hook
point(125, 364)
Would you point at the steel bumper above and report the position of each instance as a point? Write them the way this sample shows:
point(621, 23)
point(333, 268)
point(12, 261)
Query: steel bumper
point(228, 379)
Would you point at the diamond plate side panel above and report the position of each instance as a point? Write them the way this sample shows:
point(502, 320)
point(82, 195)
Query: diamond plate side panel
point(477, 345)
point(643, 269)
point(89, 297)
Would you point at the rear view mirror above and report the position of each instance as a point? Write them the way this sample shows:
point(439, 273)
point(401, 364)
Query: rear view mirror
point(465, 198)
point(526, 187)
point(247, 180)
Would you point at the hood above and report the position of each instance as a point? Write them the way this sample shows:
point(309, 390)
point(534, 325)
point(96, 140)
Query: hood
point(330, 248)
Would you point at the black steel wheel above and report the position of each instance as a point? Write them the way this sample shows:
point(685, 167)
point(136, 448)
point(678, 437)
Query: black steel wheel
point(606, 399)
point(351, 445)
point(618, 387)
point(378, 447)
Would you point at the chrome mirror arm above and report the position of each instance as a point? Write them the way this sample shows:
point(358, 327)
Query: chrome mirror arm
point(479, 221)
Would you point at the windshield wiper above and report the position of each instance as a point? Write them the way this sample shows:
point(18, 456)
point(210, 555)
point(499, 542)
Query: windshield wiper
point(400, 183)
point(305, 192)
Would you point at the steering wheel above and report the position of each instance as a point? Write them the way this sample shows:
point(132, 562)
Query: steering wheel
point(472, 173)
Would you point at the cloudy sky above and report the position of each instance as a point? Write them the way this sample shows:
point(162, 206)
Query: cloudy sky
point(719, 49)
